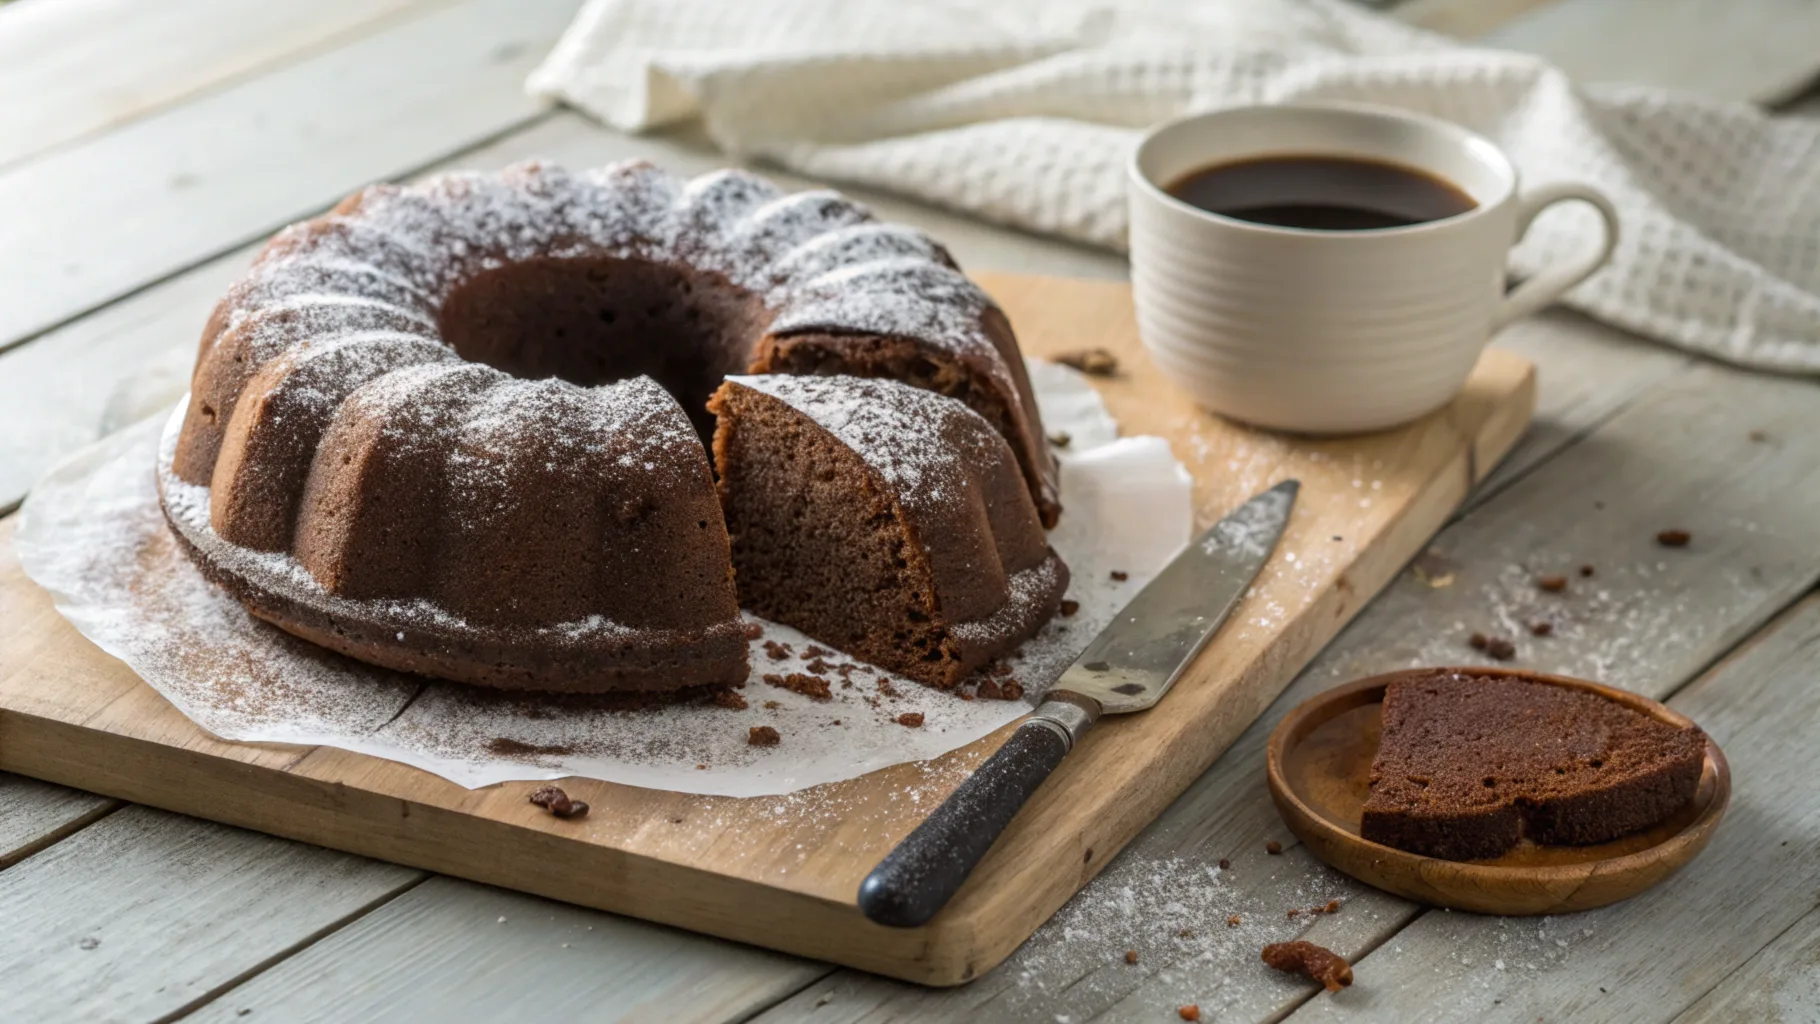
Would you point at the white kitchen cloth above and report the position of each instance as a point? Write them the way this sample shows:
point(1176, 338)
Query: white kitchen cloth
point(1024, 111)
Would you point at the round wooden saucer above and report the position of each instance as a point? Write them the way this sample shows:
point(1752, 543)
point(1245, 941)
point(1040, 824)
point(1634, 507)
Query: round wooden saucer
point(1319, 770)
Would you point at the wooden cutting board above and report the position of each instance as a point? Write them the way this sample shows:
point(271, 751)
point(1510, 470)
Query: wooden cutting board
point(782, 871)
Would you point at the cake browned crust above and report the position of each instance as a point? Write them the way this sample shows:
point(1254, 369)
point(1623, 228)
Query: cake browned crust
point(886, 520)
point(457, 427)
point(1469, 765)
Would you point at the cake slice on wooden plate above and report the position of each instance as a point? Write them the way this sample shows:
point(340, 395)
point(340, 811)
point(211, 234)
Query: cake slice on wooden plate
point(1467, 766)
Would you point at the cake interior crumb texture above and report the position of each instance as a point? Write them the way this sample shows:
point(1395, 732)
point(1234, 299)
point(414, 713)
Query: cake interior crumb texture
point(883, 519)
point(1467, 766)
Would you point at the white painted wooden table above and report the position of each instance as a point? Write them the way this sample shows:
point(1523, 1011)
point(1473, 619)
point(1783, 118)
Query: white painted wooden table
point(144, 148)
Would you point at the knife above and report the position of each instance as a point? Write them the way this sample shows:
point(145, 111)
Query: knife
point(1128, 667)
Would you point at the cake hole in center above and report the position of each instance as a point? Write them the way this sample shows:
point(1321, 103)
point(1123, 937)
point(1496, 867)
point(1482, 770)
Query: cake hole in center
point(598, 320)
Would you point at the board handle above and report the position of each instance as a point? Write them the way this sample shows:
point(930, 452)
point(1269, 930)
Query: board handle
point(925, 870)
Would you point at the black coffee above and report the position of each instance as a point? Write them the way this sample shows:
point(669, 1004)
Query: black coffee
point(1325, 193)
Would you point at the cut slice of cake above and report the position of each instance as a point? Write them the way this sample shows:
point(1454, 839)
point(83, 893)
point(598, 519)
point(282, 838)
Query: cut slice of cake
point(1468, 765)
point(886, 520)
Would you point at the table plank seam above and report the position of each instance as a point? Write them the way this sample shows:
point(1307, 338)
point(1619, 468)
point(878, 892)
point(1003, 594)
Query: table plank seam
point(302, 944)
point(1496, 483)
point(60, 833)
point(263, 232)
point(1746, 962)
point(279, 61)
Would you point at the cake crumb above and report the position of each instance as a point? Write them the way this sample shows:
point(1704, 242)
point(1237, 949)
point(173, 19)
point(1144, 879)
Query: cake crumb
point(731, 700)
point(1131, 956)
point(1185, 933)
point(1552, 584)
point(1477, 641)
point(1332, 907)
point(988, 690)
point(1000, 668)
point(812, 687)
point(1294, 913)
point(753, 630)
point(1302, 957)
point(885, 688)
point(910, 719)
point(773, 705)
point(1432, 568)
point(819, 667)
point(1094, 362)
point(776, 651)
point(1541, 627)
point(760, 736)
point(812, 651)
point(1273, 848)
point(1586, 570)
point(1233, 921)
point(1069, 608)
point(1674, 538)
point(1011, 689)
point(1189, 1012)
point(1500, 648)
point(701, 767)
point(1120, 575)
point(1225, 865)
point(557, 802)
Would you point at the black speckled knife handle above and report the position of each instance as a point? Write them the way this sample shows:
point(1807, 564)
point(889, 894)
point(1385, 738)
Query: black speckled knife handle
point(918, 877)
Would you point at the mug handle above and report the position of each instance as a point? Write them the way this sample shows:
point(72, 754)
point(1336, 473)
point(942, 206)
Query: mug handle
point(1548, 286)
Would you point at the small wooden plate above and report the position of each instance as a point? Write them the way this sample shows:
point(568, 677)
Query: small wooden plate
point(1320, 767)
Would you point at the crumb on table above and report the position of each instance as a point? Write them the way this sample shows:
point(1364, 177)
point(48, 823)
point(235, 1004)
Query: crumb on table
point(1273, 848)
point(910, 719)
point(1094, 362)
point(1317, 962)
point(760, 736)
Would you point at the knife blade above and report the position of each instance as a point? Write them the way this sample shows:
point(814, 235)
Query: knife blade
point(1128, 667)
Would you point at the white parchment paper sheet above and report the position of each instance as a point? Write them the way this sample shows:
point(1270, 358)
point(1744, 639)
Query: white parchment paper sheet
point(93, 535)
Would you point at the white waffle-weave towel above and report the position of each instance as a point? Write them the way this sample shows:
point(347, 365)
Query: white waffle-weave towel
point(1024, 111)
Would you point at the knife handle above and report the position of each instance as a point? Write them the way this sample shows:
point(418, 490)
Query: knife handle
point(918, 877)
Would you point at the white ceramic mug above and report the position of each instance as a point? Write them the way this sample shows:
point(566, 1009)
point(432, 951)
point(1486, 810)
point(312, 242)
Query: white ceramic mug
point(1322, 331)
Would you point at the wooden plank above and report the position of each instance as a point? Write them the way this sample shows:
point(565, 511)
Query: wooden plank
point(34, 814)
point(146, 913)
point(1681, 455)
point(1650, 957)
point(87, 65)
point(1586, 372)
point(779, 876)
point(1780, 983)
point(452, 950)
point(1761, 51)
point(66, 389)
point(95, 221)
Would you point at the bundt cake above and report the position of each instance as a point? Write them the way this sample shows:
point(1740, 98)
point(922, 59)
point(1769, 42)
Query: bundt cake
point(457, 427)
point(886, 520)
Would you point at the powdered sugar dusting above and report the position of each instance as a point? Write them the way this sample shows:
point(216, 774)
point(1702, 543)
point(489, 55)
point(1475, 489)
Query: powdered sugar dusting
point(819, 260)
point(94, 536)
point(922, 443)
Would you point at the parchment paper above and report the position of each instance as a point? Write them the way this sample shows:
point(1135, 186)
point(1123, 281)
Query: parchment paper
point(93, 535)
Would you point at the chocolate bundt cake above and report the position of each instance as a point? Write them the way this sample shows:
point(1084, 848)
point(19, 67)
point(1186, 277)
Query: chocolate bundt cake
point(457, 427)
point(886, 520)
point(1468, 765)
